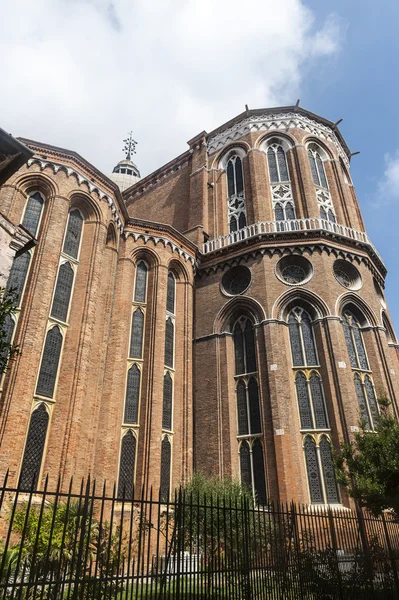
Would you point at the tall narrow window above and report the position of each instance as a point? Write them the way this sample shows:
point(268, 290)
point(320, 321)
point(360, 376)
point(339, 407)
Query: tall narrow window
point(73, 234)
point(167, 402)
point(132, 395)
point(17, 276)
point(7, 334)
point(312, 406)
point(33, 213)
point(140, 289)
point(34, 448)
point(330, 483)
point(323, 195)
point(236, 196)
point(166, 455)
point(170, 300)
point(136, 338)
point(354, 341)
point(282, 198)
point(248, 408)
point(126, 467)
point(62, 294)
point(49, 365)
point(169, 342)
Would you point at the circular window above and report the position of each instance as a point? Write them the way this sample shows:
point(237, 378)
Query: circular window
point(236, 280)
point(347, 275)
point(379, 292)
point(294, 270)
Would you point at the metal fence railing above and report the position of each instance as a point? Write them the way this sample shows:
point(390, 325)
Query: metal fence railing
point(85, 543)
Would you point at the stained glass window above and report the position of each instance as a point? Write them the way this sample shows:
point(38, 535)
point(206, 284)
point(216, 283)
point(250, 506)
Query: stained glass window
point(272, 162)
point(331, 216)
point(169, 342)
point(136, 340)
point(250, 355)
point(17, 276)
point(319, 409)
point(259, 472)
point(49, 366)
point(295, 339)
point(7, 331)
point(313, 168)
point(73, 234)
point(166, 455)
point(354, 342)
point(254, 410)
point(242, 412)
point(371, 399)
point(323, 214)
point(320, 168)
point(363, 364)
point(303, 401)
point(312, 466)
point(167, 402)
point(239, 349)
point(233, 225)
point(170, 302)
point(126, 467)
point(289, 211)
point(33, 213)
point(278, 212)
point(350, 345)
point(330, 483)
point(236, 199)
point(132, 395)
point(34, 448)
point(364, 415)
point(62, 292)
point(141, 282)
point(245, 465)
point(308, 339)
point(282, 164)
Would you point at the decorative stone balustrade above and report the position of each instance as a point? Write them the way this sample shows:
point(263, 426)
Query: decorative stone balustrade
point(276, 228)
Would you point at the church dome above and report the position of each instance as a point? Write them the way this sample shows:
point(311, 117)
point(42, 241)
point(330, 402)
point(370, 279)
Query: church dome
point(125, 174)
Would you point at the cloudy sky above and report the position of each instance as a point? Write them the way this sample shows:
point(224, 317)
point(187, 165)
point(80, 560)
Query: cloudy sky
point(81, 73)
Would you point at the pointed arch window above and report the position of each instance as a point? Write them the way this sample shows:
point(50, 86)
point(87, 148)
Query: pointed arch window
point(49, 365)
point(323, 486)
point(303, 345)
point(170, 294)
point(391, 337)
point(34, 448)
point(244, 346)
point(252, 469)
point(278, 169)
point(317, 167)
point(73, 234)
point(169, 342)
point(167, 402)
point(63, 290)
point(283, 201)
point(166, 455)
point(137, 333)
point(33, 213)
point(140, 289)
point(126, 467)
point(17, 276)
point(354, 341)
point(236, 196)
point(313, 469)
point(367, 400)
point(132, 395)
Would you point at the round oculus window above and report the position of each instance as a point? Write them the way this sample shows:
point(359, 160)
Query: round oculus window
point(294, 270)
point(347, 275)
point(236, 280)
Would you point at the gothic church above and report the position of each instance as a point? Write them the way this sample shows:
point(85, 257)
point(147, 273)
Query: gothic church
point(224, 314)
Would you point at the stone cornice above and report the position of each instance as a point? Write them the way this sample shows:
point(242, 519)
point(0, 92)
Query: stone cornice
point(81, 179)
point(278, 121)
point(221, 260)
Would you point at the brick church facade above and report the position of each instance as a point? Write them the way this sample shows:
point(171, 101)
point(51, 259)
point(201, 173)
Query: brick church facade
point(225, 314)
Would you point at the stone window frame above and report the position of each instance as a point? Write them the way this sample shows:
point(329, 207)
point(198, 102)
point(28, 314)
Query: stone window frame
point(323, 193)
point(32, 193)
point(281, 191)
point(169, 437)
point(315, 433)
point(125, 430)
point(236, 151)
point(139, 365)
point(48, 405)
point(317, 437)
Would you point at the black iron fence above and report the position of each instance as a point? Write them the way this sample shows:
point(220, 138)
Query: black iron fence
point(87, 544)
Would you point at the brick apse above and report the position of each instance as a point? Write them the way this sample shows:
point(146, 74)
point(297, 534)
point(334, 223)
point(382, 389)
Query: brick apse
point(224, 314)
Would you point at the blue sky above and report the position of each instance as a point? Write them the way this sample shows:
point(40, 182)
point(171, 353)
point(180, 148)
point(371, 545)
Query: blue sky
point(362, 86)
point(84, 72)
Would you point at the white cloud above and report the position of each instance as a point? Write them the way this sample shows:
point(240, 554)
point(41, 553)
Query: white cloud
point(388, 185)
point(80, 74)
